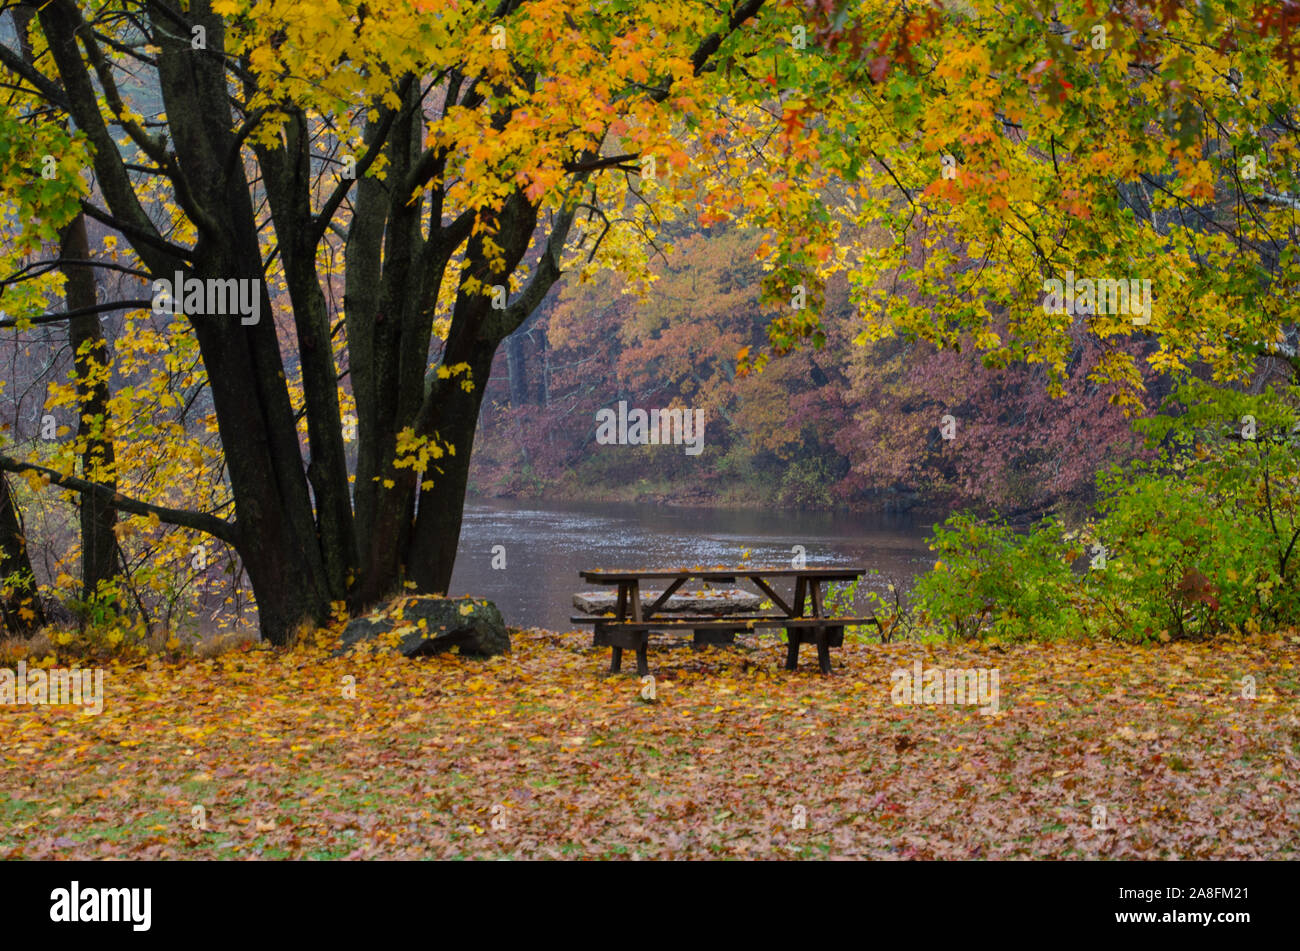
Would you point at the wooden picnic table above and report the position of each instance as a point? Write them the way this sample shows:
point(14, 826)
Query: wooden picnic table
point(630, 625)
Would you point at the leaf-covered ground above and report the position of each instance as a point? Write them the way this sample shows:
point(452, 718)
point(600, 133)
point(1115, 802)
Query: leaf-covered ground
point(542, 754)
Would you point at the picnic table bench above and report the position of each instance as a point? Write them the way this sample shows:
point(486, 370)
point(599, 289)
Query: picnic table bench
point(631, 622)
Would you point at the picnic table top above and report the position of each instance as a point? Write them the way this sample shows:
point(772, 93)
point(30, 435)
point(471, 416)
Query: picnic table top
point(719, 573)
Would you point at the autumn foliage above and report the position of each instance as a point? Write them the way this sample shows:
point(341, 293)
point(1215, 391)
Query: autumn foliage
point(840, 228)
point(1095, 752)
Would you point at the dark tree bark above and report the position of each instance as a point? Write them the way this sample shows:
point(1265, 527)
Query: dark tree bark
point(19, 604)
point(276, 532)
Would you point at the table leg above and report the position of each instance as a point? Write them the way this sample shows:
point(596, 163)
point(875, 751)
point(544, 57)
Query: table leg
point(823, 650)
point(791, 648)
point(634, 595)
point(822, 632)
point(620, 613)
point(792, 634)
point(634, 598)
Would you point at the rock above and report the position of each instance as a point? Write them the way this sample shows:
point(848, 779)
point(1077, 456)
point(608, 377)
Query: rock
point(429, 625)
point(724, 601)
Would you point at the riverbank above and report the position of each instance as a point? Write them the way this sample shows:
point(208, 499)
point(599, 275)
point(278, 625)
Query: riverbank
point(737, 495)
point(748, 497)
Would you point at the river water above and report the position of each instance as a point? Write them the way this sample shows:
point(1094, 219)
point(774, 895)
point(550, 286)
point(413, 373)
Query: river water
point(545, 544)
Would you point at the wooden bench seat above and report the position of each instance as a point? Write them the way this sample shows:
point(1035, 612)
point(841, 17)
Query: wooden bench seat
point(635, 635)
point(718, 601)
point(740, 622)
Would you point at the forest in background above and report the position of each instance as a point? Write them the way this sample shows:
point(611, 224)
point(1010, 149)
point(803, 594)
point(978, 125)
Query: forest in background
point(854, 423)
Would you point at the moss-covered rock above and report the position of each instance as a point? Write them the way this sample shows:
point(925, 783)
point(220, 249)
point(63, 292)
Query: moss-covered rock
point(428, 625)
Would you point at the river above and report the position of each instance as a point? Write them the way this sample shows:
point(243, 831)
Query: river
point(545, 544)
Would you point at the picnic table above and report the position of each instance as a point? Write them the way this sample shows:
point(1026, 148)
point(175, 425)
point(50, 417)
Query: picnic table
point(630, 624)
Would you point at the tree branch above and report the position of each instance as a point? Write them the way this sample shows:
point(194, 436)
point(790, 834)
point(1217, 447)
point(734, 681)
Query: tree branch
point(326, 215)
point(59, 21)
point(199, 521)
point(102, 308)
point(604, 162)
point(1288, 200)
point(711, 42)
point(136, 235)
point(37, 268)
point(47, 88)
point(503, 323)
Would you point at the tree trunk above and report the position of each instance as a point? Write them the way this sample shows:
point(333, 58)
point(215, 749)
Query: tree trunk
point(19, 604)
point(98, 519)
point(544, 384)
point(436, 534)
point(517, 369)
point(278, 538)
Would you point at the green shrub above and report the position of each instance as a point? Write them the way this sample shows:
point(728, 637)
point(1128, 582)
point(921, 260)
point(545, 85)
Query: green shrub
point(806, 483)
point(1199, 540)
point(1202, 539)
point(988, 579)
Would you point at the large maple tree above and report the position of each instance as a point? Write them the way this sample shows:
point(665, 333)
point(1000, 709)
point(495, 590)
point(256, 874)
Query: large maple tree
point(443, 162)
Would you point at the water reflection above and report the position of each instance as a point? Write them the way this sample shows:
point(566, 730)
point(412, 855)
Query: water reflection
point(546, 544)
